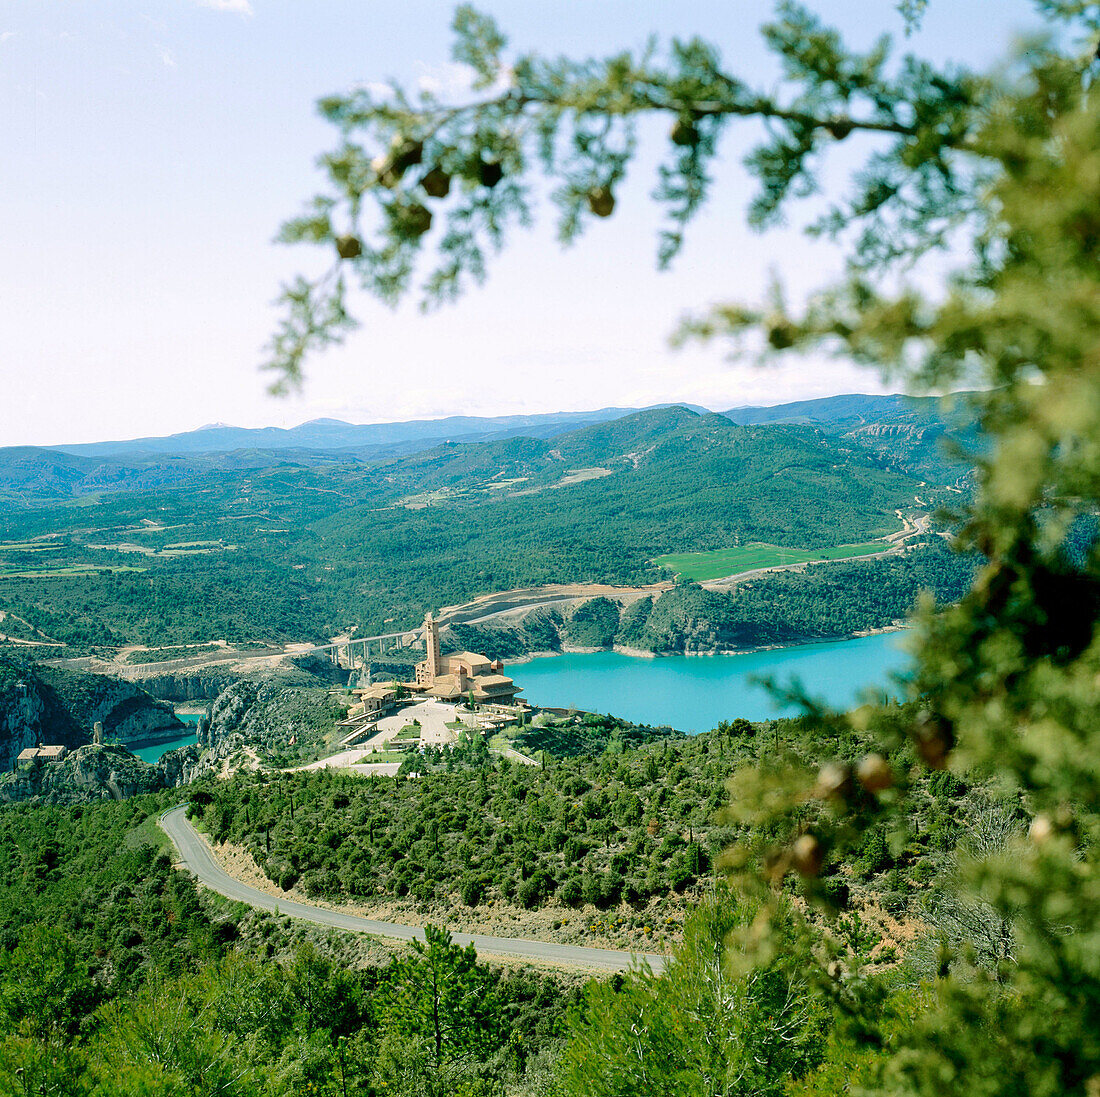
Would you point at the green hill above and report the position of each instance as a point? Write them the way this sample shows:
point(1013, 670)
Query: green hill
point(264, 549)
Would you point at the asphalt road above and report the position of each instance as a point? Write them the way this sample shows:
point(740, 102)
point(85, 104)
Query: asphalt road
point(197, 856)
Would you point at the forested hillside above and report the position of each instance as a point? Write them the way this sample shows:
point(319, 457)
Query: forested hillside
point(783, 608)
point(618, 818)
point(118, 977)
point(288, 549)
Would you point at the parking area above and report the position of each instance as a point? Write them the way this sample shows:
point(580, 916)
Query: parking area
point(433, 717)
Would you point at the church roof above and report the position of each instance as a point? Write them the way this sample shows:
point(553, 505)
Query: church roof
point(488, 681)
point(468, 657)
point(380, 691)
point(446, 685)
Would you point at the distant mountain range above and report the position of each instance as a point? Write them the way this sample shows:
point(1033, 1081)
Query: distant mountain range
point(845, 412)
point(831, 413)
point(905, 432)
point(334, 434)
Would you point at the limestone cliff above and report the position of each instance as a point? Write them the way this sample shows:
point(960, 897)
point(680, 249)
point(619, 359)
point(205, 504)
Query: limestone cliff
point(42, 705)
point(274, 711)
point(205, 683)
point(192, 684)
point(129, 714)
point(31, 713)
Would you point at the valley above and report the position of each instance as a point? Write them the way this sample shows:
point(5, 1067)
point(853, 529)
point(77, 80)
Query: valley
point(641, 750)
point(284, 547)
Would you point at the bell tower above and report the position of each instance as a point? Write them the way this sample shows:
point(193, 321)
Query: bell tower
point(428, 671)
point(431, 645)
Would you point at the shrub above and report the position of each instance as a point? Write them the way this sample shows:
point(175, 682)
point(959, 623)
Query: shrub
point(874, 855)
point(591, 891)
point(533, 890)
point(571, 892)
point(471, 890)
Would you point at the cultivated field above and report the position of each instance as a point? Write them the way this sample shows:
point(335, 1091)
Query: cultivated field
point(722, 562)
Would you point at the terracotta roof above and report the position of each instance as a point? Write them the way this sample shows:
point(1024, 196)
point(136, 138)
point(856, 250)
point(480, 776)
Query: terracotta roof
point(48, 754)
point(468, 657)
point(380, 691)
point(446, 685)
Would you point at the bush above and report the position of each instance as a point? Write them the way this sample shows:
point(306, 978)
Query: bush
point(591, 890)
point(533, 890)
point(874, 855)
point(679, 872)
point(571, 892)
point(836, 892)
point(471, 890)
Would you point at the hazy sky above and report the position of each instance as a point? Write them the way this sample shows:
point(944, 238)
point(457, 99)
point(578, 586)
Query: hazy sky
point(152, 147)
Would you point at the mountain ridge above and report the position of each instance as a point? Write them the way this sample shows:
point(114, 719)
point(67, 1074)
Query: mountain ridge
point(325, 433)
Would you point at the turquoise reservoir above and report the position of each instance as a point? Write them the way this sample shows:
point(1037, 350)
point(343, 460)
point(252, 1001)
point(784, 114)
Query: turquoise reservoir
point(693, 693)
point(152, 753)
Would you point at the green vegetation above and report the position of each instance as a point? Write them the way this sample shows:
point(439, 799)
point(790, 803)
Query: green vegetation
point(593, 623)
point(118, 980)
point(783, 607)
point(975, 809)
point(722, 562)
point(64, 571)
point(620, 817)
point(324, 547)
point(762, 1029)
point(997, 171)
point(584, 734)
point(181, 651)
point(286, 716)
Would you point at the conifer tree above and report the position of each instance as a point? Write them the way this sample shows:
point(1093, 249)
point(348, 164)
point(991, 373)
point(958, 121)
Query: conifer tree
point(1003, 170)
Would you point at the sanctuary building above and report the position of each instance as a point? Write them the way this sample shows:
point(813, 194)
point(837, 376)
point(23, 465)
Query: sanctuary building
point(461, 676)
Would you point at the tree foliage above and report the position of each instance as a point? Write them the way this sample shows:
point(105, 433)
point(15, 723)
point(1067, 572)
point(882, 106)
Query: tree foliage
point(707, 1025)
point(405, 165)
point(1000, 168)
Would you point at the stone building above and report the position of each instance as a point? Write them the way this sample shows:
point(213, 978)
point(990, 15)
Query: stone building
point(43, 754)
point(376, 700)
point(461, 676)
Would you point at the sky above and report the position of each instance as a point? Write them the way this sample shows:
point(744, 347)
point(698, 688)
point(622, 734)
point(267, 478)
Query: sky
point(153, 147)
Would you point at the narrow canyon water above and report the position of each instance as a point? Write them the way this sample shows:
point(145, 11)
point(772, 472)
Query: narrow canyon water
point(152, 753)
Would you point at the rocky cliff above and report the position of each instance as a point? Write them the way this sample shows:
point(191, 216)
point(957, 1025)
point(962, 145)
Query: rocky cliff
point(31, 712)
point(89, 773)
point(283, 713)
point(40, 705)
point(196, 684)
point(279, 717)
point(129, 714)
point(205, 683)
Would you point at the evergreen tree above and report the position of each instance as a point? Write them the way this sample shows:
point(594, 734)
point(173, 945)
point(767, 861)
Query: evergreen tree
point(1004, 168)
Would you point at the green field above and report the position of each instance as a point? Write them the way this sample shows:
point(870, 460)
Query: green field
point(722, 562)
point(66, 570)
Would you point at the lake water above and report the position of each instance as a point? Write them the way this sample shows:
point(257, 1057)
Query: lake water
point(152, 753)
point(693, 693)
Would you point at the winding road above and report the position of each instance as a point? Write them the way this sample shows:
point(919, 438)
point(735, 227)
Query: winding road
point(196, 855)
